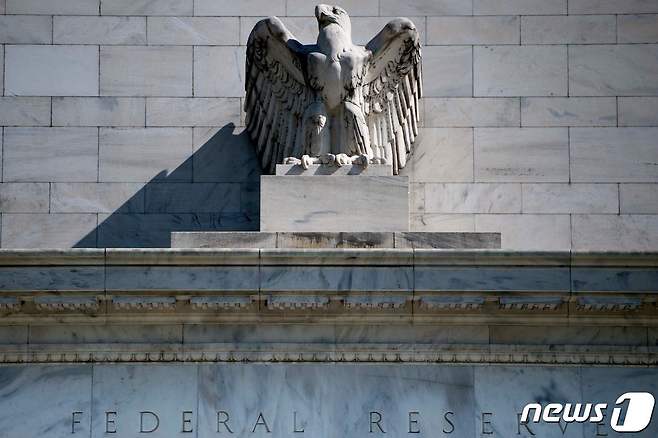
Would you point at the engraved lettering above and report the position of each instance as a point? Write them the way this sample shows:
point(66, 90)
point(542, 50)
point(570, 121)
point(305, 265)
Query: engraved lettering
point(187, 422)
point(260, 421)
point(413, 422)
point(450, 423)
point(110, 422)
point(155, 419)
point(524, 423)
point(295, 427)
point(377, 421)
point(75, 420)
point(224, 421)
point(486, 423)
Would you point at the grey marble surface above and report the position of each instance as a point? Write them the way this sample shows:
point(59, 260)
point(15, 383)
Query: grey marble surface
point(437, 286)
point(315, 278)
point(608, 280)
point(490, 279)
point(504, 391)
point(447, 240)
point(182, 278)
point(51, 278)
point(334, 203)
point(601, 384)
point(264, 239)
point(164, 390)
point(39, 401)
point(285, 400)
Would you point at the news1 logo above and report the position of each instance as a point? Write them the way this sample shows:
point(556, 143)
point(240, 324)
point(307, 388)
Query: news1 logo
point(638, 412)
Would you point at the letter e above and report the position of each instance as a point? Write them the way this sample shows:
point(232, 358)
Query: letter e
point(413, 422)
point(110, 422)
point(486, 422)
point(187, 422)
point(75, 420)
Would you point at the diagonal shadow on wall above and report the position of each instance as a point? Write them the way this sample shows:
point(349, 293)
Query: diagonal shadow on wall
point(215, 189)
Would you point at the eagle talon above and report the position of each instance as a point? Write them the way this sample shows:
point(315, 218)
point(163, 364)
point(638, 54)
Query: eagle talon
point(343, 160)
point(307, 160)
point(291, 160)
point(363, 160)
point(328, 159)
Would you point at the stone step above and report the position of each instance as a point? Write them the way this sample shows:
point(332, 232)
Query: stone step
point(231, 239)
point(334, 203)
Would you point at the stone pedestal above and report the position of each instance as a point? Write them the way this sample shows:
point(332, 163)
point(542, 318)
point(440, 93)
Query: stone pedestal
point(264, 239)
point(322, 201)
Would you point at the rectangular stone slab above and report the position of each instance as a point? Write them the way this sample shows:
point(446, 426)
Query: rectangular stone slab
point(334, 203)
point(264, 239)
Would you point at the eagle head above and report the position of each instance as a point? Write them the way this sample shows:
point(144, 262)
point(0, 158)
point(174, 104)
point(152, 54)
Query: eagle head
point(328, 15)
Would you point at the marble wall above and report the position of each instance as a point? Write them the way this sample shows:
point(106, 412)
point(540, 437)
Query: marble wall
point(296, 400)
point(121, 119)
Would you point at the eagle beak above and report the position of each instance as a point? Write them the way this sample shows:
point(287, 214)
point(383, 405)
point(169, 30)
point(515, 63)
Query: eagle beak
point(323, 14)
point(320, 10)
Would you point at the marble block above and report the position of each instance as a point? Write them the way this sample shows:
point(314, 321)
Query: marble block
point(497, 408)
point(334, 203)
point(264, 239)
point(447, 240)
point(40, 401)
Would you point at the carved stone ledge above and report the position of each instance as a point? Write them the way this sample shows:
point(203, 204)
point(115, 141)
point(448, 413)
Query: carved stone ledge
point(609, 304)
point(8, 304)
point(465, 302)
point(148, 303)
point(66, 303)
point(372, 302)
point(297, 302)
point(52, 257)
point(386, 256)
point(344, 285)
point(337, 257)
point(181, 256)
point(531, 303)
point(221, 302)
point(614, 258)
point(333, 240)
point(365, 353)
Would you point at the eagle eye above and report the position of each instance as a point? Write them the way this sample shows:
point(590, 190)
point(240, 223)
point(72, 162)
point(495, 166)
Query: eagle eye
point(337, 10)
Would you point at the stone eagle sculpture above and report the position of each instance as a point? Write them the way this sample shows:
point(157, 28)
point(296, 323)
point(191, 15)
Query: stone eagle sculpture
point(333, 102)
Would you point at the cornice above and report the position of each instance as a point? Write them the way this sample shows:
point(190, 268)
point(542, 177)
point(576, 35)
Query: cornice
point(313, 256)
point(451, 354)
point(328, 284)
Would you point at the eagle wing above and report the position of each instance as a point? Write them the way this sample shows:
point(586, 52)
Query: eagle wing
point(393, 88)
point(275, 91)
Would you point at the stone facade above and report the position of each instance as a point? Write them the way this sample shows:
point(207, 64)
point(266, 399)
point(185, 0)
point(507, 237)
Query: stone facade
point(539, 119)
point(273, 304)
point(279, 400)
